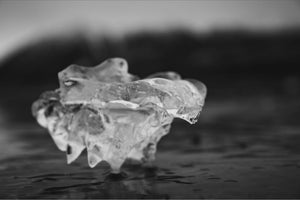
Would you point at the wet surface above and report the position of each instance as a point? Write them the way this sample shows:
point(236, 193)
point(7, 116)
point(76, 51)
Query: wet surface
point(234, 151)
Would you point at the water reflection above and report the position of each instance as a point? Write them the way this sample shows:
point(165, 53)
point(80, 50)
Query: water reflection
point(134, 182)
point(225, 156)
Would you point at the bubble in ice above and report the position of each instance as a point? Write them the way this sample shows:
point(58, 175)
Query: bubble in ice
point(114, 114)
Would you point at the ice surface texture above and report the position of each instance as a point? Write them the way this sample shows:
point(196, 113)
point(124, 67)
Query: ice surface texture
point(113, 114)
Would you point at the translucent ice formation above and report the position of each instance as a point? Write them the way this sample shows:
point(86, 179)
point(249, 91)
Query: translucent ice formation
point(114, 115)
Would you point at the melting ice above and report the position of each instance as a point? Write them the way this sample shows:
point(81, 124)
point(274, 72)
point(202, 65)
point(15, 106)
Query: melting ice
point(114, 114)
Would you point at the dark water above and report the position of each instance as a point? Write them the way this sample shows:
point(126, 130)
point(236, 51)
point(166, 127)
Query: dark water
point(237, 150)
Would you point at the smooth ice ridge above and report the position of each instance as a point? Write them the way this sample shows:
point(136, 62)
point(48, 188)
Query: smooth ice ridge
point(114, 114)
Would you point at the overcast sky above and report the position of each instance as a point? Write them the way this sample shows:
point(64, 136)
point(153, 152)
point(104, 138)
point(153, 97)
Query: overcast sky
point(22, 20)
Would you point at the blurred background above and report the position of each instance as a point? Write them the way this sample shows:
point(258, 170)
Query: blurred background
point(246, 52)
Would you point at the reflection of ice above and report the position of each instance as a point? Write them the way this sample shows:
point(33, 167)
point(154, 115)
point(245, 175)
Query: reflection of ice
point(134, 182)
point(112, 114)
point(141, 187)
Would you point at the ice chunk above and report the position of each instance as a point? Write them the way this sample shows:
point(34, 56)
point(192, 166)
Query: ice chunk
point(113, 114)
